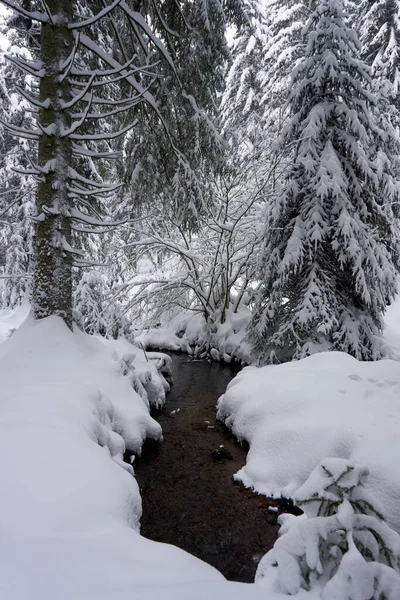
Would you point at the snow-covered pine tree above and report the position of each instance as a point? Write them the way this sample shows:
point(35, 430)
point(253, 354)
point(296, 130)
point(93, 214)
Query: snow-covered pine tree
point(326, 272)
point(284, 48)
point(241, 102)
point(151, 51)
point(16, 188)
point(378, 22)
point(343, 548)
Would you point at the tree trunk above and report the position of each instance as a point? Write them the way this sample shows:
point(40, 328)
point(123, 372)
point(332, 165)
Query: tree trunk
point(52, 292)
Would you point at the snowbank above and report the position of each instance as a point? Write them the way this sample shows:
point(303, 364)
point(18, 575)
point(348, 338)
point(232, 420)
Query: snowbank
point(191, 334)
point(10, 320)
point(328, 405)
point(69, 506)
point(145, 370)
point(391, 334)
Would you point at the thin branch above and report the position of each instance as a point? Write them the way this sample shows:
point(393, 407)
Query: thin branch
point(103, 136)
point(95, 18)
point(35, 16)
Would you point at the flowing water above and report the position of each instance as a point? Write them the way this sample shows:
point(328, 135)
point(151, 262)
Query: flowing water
point(189, 496)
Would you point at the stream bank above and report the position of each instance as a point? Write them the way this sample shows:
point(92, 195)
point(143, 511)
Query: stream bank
point(188, 493)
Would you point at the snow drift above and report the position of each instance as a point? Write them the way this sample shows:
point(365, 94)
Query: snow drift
point(327, 405)
point(69, 506)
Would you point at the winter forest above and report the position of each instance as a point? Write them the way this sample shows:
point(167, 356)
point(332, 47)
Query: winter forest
point(218, 179)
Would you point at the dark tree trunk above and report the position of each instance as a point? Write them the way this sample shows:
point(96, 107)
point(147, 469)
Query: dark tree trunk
point(52, 292)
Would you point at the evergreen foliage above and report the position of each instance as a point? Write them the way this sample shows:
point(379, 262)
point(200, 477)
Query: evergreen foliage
point(284, 49)
point(327, 272)
point(241, 102)
point(16, 185)
point(343, 546)
point(379, 26)
point(186, 91)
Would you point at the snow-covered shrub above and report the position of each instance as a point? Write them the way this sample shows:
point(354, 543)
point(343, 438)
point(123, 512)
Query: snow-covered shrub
point(96, 309)
point(193, 335)
point(341, 546)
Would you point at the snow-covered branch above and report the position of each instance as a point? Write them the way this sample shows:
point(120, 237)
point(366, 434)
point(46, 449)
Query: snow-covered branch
point(92, 20)
point(34, 15)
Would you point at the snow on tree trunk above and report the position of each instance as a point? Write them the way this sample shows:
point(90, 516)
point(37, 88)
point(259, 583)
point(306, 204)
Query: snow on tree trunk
point(52, 292)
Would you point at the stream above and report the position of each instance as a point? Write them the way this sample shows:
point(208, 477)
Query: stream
point(189, 496)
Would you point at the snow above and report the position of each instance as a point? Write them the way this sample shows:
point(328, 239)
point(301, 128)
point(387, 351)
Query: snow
point(327, 405)
point(340, 546)
point(190, 334)
point(391, 334)
point(12, 319)
point(69, 507)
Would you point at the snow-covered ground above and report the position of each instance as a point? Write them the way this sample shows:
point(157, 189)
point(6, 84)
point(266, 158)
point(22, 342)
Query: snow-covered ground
point(328, 405)
point(69, 506)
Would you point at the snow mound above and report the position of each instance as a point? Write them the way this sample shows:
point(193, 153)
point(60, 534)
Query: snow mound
point(145, 370)
point(295, 414)
point(10, 320)
point(341, 545)
point(69, 506)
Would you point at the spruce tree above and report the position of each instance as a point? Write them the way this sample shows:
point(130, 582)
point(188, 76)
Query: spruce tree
point(241, 105)
point(378, 23)
point(344, 549)
point(326, 272)
point(97, 63)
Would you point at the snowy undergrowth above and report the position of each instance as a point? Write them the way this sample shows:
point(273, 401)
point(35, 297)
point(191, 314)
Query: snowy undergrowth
point(340, 548)
point(69, 506)
point(191, 334)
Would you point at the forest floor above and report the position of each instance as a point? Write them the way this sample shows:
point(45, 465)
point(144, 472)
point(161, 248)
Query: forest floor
point(186, 482)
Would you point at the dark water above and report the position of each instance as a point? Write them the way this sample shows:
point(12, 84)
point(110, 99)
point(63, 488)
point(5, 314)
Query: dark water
point(189, 497)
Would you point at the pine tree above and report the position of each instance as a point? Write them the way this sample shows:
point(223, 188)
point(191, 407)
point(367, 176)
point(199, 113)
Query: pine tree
point(16, 187)
point(241, 101)
point(109, 66)
point(344, 547)
point(379, 26)
point(326, 273)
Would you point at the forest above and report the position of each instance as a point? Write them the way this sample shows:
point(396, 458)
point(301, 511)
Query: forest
point(219, 178)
